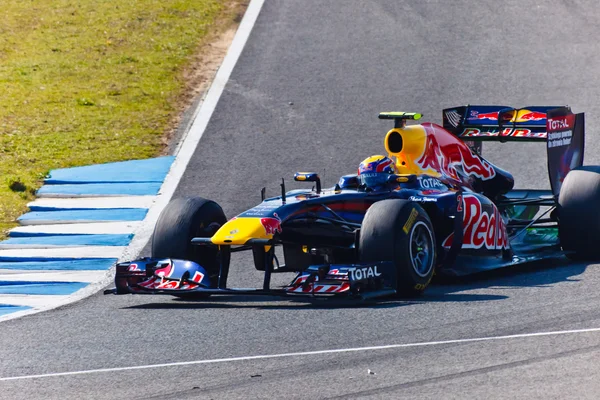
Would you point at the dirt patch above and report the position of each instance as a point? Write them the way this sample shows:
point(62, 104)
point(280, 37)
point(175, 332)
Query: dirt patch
point(199, 74)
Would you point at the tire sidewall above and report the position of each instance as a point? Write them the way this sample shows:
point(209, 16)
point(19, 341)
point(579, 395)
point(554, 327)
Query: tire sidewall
point(386, 236)
point(579, 215)
point(180, 221)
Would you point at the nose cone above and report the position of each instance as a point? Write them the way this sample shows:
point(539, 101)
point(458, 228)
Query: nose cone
point(239, 230)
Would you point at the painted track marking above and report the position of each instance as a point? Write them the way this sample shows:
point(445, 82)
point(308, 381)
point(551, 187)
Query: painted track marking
point(302, 354)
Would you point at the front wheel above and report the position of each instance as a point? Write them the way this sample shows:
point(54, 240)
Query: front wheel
point(400, 231)
point(180, 221)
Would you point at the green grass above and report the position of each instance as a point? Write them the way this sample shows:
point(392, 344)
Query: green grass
point(92, 81)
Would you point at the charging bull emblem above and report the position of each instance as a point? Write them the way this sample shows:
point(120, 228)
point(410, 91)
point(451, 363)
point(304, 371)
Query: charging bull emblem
point(272, 225)
point(452, 158)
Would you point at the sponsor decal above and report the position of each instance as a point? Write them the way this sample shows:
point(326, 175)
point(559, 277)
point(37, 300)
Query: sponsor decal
point(481, 228)
point(423, 200)
point(459, 203)
point(370, 175)
point(511, 116)
point(198, 276)
point(272, 225)
point(512, 132)
point(453, 117)
point(430, 191)
point(359, 274)
point(452, 157)
point(430, 183)
point(133, 267)
point(411, 221)
point(165, 269)
point(263, 209)
point(561, 138)
point(560, 123)
point(564, 146)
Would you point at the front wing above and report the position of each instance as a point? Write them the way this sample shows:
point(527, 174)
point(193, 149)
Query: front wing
point(183, 278)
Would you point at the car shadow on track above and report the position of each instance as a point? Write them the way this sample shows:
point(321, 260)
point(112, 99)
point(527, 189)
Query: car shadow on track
point(455, 289)
point(534, 274)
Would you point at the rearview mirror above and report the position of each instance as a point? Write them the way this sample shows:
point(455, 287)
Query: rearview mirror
point(309, 177)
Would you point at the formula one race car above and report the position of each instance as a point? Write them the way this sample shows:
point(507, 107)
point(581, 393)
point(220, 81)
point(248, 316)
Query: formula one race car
point(433, 204)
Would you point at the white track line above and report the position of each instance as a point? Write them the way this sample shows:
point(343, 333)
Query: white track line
point(96, 202)
point(79, 229)
point(303, 354)
point(184, 153)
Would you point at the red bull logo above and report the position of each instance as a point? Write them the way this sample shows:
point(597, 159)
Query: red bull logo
point(271, 225)
point(481, 228)
point(531, 116)
point(513, 116)
point(445, 154)
point(492, 115)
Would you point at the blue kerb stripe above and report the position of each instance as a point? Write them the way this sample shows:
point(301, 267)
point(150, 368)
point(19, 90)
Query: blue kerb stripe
point(42, 288)
point(100, 214)
point(8, 309)
point(71, 240)
point(150, 170)
point(59, 264)
point(102, 189)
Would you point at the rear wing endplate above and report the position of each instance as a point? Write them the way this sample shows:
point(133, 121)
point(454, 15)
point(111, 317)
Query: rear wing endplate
point(565, 144)
point(497, 123)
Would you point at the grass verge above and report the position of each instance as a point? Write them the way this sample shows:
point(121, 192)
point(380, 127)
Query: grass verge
point(94, 81)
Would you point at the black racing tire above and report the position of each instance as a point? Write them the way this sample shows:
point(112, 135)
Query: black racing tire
point(180, 221)
point(579, 214)
point(400, 231)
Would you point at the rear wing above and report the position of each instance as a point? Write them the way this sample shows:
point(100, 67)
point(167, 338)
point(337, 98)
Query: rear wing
point(563, 132)
point(497, 123)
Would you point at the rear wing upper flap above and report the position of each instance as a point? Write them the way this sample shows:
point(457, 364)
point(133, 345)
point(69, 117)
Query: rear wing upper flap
point(497, 123)
point(563, 132)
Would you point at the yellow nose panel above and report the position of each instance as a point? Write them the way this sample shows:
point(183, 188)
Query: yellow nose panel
point(239, 230)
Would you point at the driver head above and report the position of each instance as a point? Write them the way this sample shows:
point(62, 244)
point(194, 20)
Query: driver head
point(374, 171)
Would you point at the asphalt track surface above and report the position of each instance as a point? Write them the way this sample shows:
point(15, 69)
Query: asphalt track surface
point(339, 63)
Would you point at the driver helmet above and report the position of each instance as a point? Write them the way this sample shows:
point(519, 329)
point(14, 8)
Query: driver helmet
point(375, 170)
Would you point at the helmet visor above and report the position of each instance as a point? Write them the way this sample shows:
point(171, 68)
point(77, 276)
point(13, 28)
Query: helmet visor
point(373, 179)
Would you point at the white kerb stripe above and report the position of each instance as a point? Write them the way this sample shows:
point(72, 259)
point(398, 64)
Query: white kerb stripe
point(50, 275)
point(96, 202)
point(126, 227)
point(66, 252)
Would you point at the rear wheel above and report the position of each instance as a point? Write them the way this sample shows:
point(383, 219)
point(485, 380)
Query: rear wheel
point(180, 221)
point(579, 213)
point(400, 231)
